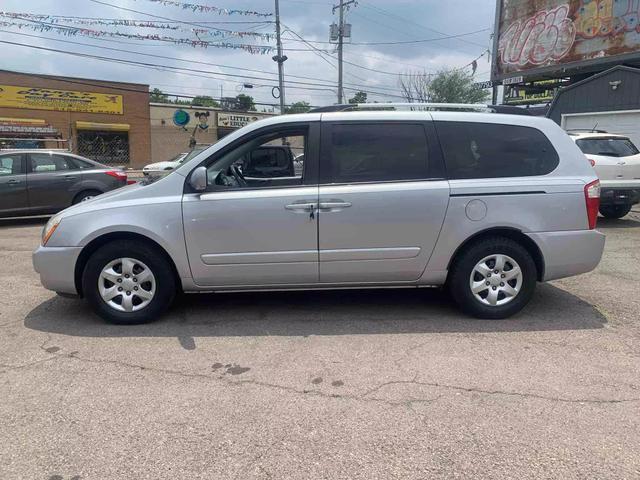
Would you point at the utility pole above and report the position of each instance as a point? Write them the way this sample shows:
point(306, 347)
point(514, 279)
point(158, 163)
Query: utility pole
point(341, 35)
point(280, 59)
point(340, 45)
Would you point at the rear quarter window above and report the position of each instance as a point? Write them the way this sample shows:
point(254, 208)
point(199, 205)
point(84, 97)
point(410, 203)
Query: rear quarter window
point(488, 150)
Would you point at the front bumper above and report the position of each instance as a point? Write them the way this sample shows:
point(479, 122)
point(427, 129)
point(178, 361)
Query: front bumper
point(569, 253)
point(56, 266)
point(619, 196)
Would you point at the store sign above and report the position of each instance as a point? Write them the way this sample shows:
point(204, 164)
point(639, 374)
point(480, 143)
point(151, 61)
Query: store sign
point(513, 80)
point(7, 129)
point(234, 120)
point(531, 93)
point(486, 85)
point(12, 96)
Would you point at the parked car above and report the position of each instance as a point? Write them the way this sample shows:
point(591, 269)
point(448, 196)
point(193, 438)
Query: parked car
point(617, 162)
point(42, 182)
point(165, 166)
point(484, 203)
point(162, 168)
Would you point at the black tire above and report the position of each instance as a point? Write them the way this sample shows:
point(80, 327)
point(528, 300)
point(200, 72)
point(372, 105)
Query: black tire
point(464, 264)
point(614, 211)
point(84, 195)
point(153, 258)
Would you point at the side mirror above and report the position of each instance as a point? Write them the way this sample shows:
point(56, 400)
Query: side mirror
point(198, 179)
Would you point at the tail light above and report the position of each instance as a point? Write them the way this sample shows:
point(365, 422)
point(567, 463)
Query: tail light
point(120, 175)
point(592, 162)
point(592, 199)
point(131, 182)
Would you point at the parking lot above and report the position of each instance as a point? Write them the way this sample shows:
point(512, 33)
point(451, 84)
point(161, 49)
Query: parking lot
point(348, 384)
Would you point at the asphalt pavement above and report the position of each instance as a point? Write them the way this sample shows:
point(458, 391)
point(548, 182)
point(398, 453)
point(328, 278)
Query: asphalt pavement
point(378, 384)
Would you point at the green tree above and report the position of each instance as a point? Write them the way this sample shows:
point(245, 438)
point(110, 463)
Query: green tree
point(455, 86)
point(158, 96)
point(447, 86)
point(359, 97)
point(298, 107)
point(204, 101)
point(245, 103)
point(241, 102)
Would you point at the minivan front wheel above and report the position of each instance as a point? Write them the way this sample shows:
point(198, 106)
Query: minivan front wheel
point(493, 278)
point(128, 282)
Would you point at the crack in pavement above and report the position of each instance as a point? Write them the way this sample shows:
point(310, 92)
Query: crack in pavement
point(500, 392)
point(362, 397)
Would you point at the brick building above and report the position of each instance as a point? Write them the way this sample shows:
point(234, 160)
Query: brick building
point(106, 121)
point(173, 126)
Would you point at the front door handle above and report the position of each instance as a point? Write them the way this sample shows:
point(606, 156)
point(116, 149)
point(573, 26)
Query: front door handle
point(13, 182)
point(307, 207)
point(333, 205)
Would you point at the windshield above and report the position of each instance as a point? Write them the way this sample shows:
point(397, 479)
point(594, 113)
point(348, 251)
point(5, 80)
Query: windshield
point(178, 158)
point(609, 146)
point(192, 153)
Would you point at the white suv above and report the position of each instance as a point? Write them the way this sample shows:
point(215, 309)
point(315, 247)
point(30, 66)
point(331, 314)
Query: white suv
point(617, 163)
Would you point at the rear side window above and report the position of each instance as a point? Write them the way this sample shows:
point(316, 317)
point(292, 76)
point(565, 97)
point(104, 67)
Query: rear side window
point(611, 146)
point(488, 150)
point(377, 152)
point(46, 162)
point(81, 164)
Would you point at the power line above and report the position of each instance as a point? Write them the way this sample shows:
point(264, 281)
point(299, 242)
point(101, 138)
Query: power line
point(182, 70)
point(387, 13)
point(407, 42)
point(164, 57)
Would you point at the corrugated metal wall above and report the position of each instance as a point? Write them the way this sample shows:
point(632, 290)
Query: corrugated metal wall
point(597, 95)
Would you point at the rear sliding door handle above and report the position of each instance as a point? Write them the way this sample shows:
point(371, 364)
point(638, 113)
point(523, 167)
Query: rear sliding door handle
point(333, 205)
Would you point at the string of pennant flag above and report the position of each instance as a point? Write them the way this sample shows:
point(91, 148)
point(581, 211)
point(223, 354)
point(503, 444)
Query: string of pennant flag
point(54, 20)
point(210, 9)
point(87, 32)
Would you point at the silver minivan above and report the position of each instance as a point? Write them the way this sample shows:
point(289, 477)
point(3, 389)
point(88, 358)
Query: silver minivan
point(484, 203)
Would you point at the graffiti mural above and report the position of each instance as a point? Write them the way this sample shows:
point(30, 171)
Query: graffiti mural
point(534, 34)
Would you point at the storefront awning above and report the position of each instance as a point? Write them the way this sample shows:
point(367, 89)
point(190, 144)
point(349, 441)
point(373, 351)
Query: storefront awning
point(114, 127)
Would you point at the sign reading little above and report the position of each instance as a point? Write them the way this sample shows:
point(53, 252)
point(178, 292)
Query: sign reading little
point(12, 96)
point(233, 120)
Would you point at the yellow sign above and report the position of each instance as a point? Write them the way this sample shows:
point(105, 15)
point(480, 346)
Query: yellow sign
point(118, 127)
point(12, 96)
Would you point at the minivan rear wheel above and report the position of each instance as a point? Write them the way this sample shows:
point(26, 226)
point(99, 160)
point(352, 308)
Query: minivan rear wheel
point(493, 278)
point(614, 211)
point(128, 282)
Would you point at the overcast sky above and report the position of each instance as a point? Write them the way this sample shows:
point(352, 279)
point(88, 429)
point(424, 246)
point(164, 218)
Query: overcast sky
point(372, 21)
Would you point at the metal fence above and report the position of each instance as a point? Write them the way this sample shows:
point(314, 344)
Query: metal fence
point(110, 148)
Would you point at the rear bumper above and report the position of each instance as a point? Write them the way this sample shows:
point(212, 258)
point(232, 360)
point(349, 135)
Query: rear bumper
point(619, 195)
point(56, 266)
point(569, 253)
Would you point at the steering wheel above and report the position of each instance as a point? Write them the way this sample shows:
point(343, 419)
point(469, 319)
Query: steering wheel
point(237, 174)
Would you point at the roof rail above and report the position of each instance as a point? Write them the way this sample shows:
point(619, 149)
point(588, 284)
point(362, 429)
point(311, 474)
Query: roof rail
point(422, 107)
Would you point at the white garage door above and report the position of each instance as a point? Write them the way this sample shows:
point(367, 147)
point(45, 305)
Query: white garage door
point(622, 123)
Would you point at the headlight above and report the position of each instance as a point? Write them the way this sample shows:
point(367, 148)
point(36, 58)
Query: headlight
point(49, 228)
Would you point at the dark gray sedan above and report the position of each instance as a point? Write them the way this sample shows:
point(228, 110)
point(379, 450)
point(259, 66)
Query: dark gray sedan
point(42, 182)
